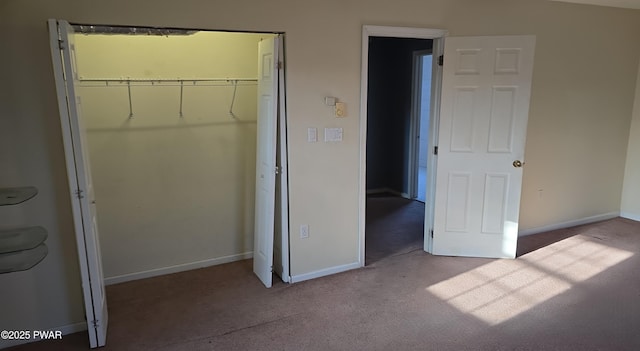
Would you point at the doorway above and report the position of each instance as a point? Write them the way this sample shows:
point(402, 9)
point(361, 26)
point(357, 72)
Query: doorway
point(402, 185)
point(395, 217)
point(479, 167)
point(172, 146)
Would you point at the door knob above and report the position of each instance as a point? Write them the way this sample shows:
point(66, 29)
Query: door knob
point(517, 163)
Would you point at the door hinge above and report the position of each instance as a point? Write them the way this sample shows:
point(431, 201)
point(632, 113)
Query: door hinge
point(79, 193)
point(441, 60)
point(279, 65)
point(431, 233)
point(95, 323)
point(435, 150)
point(278, 169)
point(61, 44)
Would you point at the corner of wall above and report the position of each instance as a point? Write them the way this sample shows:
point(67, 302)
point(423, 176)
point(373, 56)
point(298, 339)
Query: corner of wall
point(630, 203)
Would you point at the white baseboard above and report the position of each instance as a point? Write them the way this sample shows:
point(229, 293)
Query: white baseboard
point(324, 272)
point(568, 224)
point(65, 329)
point(632, 216)
point(177, 268)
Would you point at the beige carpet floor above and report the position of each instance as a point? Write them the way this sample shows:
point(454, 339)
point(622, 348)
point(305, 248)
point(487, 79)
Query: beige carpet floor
point(572, 289)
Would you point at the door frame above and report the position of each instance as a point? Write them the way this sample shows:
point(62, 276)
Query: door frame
point(68, 122)
point(283, 167)
point(437, 35)
point(416, 122)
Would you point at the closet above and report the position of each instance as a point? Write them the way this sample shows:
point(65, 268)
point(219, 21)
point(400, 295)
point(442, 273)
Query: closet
point(170, 119)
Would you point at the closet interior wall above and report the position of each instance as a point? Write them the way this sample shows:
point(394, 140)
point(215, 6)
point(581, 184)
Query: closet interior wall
point(173, 166)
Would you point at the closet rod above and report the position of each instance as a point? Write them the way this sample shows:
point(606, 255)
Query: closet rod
point(167, 80)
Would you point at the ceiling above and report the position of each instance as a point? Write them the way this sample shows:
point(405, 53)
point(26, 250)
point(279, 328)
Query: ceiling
point(629, 4)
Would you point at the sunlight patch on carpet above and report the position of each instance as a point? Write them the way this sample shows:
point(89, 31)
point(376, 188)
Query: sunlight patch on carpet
point(503, 289)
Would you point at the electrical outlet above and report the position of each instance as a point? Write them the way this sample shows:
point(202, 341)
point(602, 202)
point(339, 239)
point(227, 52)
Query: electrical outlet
point(304, 231)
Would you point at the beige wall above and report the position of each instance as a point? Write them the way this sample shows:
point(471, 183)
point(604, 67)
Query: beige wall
point(171, 191)
point(630, 206)
point(582, 96)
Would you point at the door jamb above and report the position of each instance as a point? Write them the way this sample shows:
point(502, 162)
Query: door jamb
point(284, 164)
point(416, 122)
point(434, 127)
point(398, 32)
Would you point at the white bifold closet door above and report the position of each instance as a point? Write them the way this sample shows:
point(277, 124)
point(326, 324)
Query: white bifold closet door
point(266, 166)
point(80, 184)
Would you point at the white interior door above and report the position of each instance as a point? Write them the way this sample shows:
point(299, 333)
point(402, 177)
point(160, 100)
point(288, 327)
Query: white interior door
point(80, 184)
point(266, 160)
point(483, 119)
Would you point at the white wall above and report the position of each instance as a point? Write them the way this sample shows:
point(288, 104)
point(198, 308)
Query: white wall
point(630, 206)
point(577, 137)
point(171, 191)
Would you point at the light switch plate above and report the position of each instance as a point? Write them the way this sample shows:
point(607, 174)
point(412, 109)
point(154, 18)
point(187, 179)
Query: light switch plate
point(330, 101)
point(312, 135)
point(332, 134)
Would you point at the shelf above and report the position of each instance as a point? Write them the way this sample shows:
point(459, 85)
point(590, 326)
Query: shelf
point(14, 196)
point(22, 260)
point(13, 240)
point(22, 248)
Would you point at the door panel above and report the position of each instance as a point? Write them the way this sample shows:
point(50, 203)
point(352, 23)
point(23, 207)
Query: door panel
point(502, 120)
point(266, 161)
point(81, 186)
point(462, 124)
point(483, 119)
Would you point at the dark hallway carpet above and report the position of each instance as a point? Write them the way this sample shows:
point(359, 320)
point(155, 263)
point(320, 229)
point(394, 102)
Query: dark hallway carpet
point(394, 226)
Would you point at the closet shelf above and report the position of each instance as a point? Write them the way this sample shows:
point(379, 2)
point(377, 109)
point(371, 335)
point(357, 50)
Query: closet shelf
point(20, 239)
point(14, 196)
point(167, 81)
point(22, 260)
